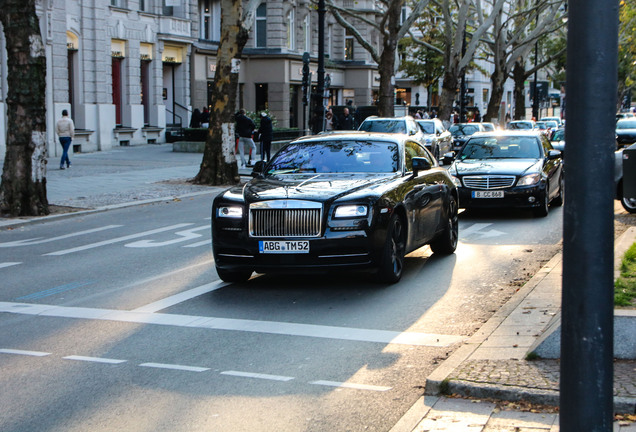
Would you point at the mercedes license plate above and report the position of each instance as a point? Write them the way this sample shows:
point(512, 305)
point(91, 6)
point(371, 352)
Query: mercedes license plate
point(488, 194)
point(283, 246)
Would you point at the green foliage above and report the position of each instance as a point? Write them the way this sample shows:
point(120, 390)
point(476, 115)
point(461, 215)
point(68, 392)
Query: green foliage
point(627, 46)
point(256, 117)
point(444, 387)
point(625, 285)
point(532, 356)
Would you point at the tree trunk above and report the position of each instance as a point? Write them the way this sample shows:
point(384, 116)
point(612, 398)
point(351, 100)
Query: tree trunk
point(519, 77)
point(23, 187)
point(218, 166)
point(497, 80)
point(386, 68)
point(449, 93)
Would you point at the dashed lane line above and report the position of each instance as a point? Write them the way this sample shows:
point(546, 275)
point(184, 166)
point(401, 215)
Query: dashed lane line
point(257, 375)
point(254, 326)
point(9, 264)
point(175, 367)
point(94, 359)
point(24, 352)
point(186, 368)
point(351, 385)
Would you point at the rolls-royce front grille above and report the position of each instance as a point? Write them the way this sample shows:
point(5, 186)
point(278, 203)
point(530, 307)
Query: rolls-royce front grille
point(285, 219)
point(489, 182)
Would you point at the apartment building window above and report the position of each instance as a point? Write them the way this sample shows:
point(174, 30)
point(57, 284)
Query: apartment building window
point(329, 38)
point(348, 54)
point(210, 13)
point(261, 26)
point(307, 31)
point(291, 42)
point(175, 8)
point(118, 3)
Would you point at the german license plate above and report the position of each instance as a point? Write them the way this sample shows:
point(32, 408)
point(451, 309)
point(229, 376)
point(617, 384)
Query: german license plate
point(488, 194)
point(283, 246)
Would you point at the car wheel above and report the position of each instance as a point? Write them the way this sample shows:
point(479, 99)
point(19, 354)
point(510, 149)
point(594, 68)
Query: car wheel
point(629, 204)
point(233, 275)
point(446, 242)
point(558, 200)
point(392, 261)
point(542, 210)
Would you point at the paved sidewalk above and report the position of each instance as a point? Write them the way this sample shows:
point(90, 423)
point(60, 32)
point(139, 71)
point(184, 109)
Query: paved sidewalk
point(119, 177)
point(492, 365)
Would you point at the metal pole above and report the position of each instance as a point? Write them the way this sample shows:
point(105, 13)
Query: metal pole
point(462, 89)
point(535, 94)
point(586, 402)
point(320, 90)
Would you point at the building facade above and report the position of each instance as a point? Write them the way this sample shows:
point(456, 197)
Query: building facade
point(130, 70)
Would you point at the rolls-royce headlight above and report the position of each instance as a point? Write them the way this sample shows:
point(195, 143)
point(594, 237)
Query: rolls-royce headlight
point(529, 180)
point(234, 212)
point(351, 211)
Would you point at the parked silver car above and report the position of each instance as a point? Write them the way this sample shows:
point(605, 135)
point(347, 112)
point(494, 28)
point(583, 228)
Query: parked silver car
point(439, 140)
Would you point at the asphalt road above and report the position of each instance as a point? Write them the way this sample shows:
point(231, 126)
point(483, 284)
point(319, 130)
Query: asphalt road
point(117, 321)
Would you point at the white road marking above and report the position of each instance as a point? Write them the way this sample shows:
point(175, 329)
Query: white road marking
point(257, 375)
point(9, 264)
point(118, 239)
point(351, 385)
point(181, 297)
point(40, 240)
point(23, 352)
point(94, 359)
point(185, 235)
point(269, 327)
point(175, 367)
point(477, 230)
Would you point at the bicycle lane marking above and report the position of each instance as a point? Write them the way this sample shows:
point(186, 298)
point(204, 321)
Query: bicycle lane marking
point(117, 240)
point(40, 240)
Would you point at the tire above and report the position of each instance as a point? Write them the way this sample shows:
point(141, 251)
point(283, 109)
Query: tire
point(558, 200)
point(629, 204)
point(543, 209)
point(446, 242)
point(392, 260)
point(234, 275)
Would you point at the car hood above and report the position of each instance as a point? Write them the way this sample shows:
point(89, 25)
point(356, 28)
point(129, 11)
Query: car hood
point(495, 166)
point(314, 187)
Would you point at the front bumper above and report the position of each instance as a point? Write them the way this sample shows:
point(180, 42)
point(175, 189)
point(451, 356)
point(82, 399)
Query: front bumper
point(514, 197)
point(236, 250)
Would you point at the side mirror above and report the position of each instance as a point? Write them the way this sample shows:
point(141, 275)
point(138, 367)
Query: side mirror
point(554, 154)
point(448, 158)
point(420, 164)
point(259, 169)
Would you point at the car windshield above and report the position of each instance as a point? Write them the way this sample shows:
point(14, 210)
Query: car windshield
point(427, 127)
point(391, 126)
point(504, 147)
point(459, 130)
point(559, 135)
point(350, 156)
point(626, 124)
point(520, 125)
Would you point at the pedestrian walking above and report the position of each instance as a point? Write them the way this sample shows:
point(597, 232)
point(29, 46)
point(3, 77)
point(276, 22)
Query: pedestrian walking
point(65, 129)
point(195, 121)
point(266, 132)
point(346, 121)
point(205, 118)
point(331, 123)
point(245, 129)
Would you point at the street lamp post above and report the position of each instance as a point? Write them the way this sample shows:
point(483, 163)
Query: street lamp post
point(319, 105)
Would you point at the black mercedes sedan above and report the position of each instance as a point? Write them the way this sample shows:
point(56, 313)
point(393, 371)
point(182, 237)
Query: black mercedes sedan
point(509, 169)
point(336, 201)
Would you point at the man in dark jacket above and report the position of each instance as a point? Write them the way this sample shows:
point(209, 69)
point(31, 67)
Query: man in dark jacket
point(346, 121)
point(266, 132)
point(245, 128)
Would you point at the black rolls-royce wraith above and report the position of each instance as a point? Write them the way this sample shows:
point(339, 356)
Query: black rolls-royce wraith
point(342, 200)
